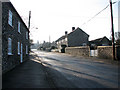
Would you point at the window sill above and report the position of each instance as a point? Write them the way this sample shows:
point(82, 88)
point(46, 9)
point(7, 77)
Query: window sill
point(10, 54)
point(19, 32)
point(11, 25)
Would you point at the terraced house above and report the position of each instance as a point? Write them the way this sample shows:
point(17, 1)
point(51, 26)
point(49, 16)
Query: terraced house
point(15, 38)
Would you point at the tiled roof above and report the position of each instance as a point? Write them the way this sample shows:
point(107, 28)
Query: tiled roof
point(78, 29)
point(63, 37)
point(99, 39)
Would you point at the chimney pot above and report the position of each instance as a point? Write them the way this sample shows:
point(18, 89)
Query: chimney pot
point(66, 32)
point(73, 28)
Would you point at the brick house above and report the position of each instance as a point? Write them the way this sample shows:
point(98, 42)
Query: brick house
point(15, 38)
point(75, 38)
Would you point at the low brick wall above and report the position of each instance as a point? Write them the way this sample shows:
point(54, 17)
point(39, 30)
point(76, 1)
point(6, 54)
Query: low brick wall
point(107, 53)
point(118, 52)
point(104, 52)
point(78, 51)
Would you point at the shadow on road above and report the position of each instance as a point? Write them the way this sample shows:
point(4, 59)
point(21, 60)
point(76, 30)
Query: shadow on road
point(73, 82)
point(34, 74)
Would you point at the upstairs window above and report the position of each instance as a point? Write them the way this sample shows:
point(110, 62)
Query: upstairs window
point(26, 35)
point(18, 48)
point(9, 46)
point(18, 26)
point(10, 18)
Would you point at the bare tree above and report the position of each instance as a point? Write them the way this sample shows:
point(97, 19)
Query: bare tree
point(117, 38)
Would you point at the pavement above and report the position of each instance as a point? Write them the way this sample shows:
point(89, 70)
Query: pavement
point(30, 74)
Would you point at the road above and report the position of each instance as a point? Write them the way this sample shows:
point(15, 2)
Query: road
point(78, 72)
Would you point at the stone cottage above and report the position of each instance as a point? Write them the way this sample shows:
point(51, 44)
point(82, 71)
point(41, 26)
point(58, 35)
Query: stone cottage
point(15, 37)
point(75, 38)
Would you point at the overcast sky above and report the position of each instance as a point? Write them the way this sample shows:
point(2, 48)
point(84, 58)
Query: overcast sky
point(54, 17)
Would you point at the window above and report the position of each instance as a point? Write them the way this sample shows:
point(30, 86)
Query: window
point(84, 44)
point(66, 39)
point(26, 49)
point(9, 46)
point(26, 35)
point(18, 26)
point(18, 48)
point(10, 18)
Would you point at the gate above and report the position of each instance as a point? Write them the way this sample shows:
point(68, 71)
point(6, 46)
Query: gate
point(94, 52)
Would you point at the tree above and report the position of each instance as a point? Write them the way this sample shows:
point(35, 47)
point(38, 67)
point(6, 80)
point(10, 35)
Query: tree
point(117, 38)
point(31, 42)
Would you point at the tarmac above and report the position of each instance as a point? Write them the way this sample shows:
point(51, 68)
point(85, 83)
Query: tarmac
point(30, 74)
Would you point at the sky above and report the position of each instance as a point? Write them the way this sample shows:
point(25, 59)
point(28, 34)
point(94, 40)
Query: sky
point(51, 18)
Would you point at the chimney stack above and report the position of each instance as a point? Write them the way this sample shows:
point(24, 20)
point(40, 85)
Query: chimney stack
point(73, 28)
point(66, 32)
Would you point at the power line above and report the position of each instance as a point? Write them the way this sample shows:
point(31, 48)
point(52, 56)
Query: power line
point(98, 13)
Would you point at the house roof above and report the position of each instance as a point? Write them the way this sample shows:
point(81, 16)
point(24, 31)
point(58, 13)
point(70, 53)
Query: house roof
point(78, 29)
point(64, 36)
point(99, 39)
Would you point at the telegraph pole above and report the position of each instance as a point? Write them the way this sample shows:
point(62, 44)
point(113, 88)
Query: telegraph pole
point(29, 19)
point(49, 41)
point(29, 26)
point(112, 29)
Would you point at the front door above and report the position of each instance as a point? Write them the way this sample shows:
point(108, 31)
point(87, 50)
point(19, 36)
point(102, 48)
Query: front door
point(21, 54)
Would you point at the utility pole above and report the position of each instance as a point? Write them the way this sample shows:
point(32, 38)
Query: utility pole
point(49, 41)
point(112, 28)
point(29, 19)
point(29, 26)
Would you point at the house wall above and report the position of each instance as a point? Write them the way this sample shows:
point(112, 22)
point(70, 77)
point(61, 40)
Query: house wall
point(78, 51)
point(62, 42)
point(77, 38)
point(0, 35)
point(105, 42)
point(0, 45)
point(10, 61)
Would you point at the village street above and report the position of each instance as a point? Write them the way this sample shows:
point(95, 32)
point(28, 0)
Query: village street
point(57, 70)
point(69, 71)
